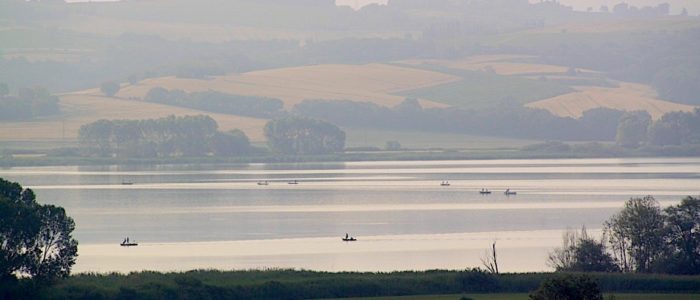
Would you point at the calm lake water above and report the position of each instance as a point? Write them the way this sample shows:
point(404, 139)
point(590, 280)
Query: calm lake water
point(217, 216)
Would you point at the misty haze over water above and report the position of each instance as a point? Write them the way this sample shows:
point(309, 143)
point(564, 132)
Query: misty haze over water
point(266, 130)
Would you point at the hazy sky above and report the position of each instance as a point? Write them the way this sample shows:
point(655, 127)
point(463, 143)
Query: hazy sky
point(676, 5)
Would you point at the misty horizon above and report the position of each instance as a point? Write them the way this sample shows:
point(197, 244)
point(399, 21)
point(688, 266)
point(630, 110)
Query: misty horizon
point(295, 149)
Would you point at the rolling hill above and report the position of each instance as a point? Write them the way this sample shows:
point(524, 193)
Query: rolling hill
point(474, 82)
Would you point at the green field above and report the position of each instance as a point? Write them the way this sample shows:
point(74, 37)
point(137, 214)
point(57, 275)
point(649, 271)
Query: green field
point(482, 90)
point(525, 296)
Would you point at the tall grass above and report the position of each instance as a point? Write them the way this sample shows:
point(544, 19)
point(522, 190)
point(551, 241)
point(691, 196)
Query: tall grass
point(293, 284)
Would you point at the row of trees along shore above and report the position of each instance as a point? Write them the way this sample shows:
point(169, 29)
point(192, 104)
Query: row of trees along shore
point(197, 136)
point(169, 136)
point(637, 129)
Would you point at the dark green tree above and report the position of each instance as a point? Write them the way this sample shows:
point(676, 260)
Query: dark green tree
point(297, 135)
point(19, 226)
point(568, 287)
point(672, 129)
point(110, 88)
point(54, 250)
point(682, 228)
point(234, 142)
point(591, 256)
point(169, 136)
point(632, 129)
point(636, 234)
point(581, 253)
point(95, 138)
point(36, 240)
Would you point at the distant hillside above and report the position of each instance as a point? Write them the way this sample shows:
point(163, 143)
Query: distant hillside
point(437, 83)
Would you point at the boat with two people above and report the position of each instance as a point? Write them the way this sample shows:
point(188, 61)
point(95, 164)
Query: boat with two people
point(445, 183)
point(349, 238)
point(127, 243)
point(485, 192)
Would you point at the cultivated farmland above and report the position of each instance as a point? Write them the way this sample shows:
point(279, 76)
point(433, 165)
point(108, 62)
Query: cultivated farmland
point(627, 96)
point(373, 82)
point(82, 109)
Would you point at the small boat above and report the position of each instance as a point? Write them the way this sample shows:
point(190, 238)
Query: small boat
point(127, 243)
point(508, 192)
point(263, 183)
point(485, 192)
point(445, 183)
point(348, 238)
point(127, 183)
point(293, 182)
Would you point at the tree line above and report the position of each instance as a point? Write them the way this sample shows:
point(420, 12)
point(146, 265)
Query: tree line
point(641, 238)
point(298, 135)
point(165, 137)
point(198, 136)
point(637, 129)
point(26, 104)
point(218, 102)
point(506, 120)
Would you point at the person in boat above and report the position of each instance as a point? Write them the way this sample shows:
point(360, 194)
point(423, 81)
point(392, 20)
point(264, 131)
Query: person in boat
point(346, 236)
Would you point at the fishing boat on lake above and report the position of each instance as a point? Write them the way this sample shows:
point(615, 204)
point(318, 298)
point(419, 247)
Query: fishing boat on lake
point(485, 192)
point(263, 183)
point(348, 238)
point(127, 243)
point(445, 183)
point(508, 192)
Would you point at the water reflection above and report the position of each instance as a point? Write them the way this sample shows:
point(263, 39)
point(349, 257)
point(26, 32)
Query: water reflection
point(403, 217)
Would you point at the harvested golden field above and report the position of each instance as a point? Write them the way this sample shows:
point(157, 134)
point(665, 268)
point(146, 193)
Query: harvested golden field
point(83, 109)
point(628, 96)
point(373, 82)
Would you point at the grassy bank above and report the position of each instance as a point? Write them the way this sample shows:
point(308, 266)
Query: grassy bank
point(525, 296)
point(289, 284)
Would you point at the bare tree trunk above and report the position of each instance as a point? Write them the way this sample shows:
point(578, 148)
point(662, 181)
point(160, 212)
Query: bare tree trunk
point(490, 261)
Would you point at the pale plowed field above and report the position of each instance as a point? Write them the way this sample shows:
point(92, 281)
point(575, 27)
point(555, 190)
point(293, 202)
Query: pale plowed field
point(373, 82)
point(628, 96)
point(83, 109)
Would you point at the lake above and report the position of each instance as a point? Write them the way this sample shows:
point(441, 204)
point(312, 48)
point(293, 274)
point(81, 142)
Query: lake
point(217, 216)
